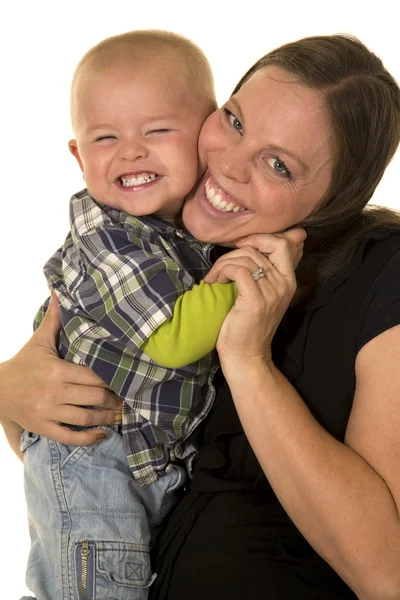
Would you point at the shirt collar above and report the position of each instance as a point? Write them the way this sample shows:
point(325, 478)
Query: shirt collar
point(165, 228)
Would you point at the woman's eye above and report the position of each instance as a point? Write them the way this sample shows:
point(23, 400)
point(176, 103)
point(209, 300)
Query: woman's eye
point(236, 124)
point(279, 166)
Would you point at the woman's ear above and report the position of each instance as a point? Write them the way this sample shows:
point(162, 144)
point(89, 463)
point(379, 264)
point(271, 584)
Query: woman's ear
point(73, 148)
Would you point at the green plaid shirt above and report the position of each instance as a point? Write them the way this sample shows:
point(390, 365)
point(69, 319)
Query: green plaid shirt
point(117, 278)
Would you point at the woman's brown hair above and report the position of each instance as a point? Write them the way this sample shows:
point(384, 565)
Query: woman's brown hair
point(363, 104)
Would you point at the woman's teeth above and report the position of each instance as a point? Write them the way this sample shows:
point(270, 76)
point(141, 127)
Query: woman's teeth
point(137, 179)
point(215, 199)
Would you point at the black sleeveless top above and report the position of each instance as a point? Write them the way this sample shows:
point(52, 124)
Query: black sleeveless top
point(228, 536)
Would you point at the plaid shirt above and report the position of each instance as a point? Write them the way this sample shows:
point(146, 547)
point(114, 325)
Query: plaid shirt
point(117, 278)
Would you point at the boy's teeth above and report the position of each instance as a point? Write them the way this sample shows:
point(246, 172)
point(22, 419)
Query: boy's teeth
point(216, 200)
point(137, 179)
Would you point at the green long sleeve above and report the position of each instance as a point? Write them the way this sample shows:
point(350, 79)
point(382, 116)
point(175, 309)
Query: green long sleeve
point(192, 331)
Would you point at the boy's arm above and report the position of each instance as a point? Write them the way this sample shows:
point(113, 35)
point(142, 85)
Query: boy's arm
point(192, 331)
point(137, 300)
point(112, 289)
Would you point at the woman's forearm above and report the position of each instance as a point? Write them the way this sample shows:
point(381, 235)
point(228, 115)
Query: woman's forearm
point(335, 498)
point(39, 391)
point(13, 433)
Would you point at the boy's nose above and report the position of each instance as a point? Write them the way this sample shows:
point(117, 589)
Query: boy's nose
point(133, 150)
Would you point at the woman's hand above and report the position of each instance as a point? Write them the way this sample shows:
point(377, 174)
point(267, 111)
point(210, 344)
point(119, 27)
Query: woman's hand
point(38, 390)
point(249, 327)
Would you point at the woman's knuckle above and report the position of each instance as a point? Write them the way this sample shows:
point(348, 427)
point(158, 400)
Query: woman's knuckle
point(285, 244)
point(248, 263)
point(65, 438)
point(96, 396)
point(253, 251)
point(53, 372)
point(281, 288)
point(243, 270)
point(85, 418)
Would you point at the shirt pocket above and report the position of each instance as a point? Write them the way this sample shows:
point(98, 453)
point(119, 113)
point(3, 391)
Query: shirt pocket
point(107, 570)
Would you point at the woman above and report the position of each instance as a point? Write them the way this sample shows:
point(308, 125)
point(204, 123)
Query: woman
point(296, 487)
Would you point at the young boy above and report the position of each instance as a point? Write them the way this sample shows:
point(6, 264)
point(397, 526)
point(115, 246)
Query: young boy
point(133, 309)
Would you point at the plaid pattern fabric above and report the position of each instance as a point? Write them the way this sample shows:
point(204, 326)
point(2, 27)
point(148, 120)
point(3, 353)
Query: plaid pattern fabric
point(117, 278)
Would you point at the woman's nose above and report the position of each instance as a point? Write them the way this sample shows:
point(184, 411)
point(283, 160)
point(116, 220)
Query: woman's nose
point(233, 165)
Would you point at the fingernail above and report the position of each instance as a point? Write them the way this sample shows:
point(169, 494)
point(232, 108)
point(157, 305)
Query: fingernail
point(101, 435)
point(118, 418)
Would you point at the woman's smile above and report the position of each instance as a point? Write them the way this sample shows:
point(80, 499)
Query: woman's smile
point(219, 198)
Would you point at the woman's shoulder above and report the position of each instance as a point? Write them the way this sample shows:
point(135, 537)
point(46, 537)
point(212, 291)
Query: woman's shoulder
point(380, 279)
point(377, 258)
point(366, 295)
point(377, 250)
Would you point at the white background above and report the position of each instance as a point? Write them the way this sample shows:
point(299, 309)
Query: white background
point(40, 44)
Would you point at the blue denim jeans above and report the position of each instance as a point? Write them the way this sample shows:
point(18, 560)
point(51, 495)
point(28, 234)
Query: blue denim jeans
point(90, 523)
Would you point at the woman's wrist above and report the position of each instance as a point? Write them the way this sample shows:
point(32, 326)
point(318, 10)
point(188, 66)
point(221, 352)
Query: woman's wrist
point(239, 369)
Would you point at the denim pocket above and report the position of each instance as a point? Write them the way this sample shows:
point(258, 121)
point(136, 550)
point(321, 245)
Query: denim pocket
point(108, 570)
point(27, 439)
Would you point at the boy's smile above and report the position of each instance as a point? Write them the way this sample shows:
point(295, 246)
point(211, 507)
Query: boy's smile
point(136, 138)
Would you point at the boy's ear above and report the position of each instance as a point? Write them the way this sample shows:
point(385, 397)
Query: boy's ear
point(73, 148)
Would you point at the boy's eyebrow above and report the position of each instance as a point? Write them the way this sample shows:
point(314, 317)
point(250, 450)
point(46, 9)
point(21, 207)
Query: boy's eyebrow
point(99, 126)
point(151, 119)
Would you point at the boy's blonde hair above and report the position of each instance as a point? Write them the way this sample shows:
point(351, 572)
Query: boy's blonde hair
point(145, 45)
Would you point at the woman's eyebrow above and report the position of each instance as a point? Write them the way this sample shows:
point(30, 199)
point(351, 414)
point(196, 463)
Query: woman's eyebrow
point(237, 106)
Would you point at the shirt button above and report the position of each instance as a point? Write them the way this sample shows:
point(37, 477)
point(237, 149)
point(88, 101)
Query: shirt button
point(169, 468)
point(179, 234)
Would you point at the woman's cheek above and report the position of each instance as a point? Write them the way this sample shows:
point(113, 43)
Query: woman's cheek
point(210, 136)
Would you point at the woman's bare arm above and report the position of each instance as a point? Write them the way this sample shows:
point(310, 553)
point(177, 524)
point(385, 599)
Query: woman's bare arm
point(344, 498)
point(39, 391)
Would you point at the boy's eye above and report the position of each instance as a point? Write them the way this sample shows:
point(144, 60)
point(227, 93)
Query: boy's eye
point(234, 121)
point(165, 130)
point(105, 137)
